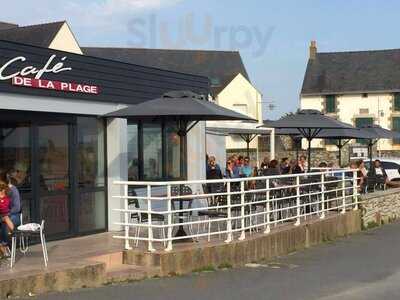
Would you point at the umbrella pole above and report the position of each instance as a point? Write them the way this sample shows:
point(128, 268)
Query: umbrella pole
point(309, 154)
point(340, 152)
point(370, 153)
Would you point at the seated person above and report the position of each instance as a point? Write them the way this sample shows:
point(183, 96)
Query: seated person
point(264, 164)
point(5, 211)
point(285, 167)
point(246, 170)
point(229, 170)
point(380, 174)
point(213, 169)
point(273, 170)
point(301, 166)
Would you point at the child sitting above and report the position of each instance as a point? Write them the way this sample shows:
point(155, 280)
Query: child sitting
point(5, 206)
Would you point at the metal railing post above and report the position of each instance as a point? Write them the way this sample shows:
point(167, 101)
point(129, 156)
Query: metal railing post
point(343, 193)
point(149, 221)
point(126, 206)
point(355, 191)
point(267, 209)
point(322, 196)
point(297, 223)
point(169, 219)
point(242, 215)
point(229, 237)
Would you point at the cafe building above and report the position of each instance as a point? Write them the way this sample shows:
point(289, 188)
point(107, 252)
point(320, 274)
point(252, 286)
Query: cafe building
point(61, 151)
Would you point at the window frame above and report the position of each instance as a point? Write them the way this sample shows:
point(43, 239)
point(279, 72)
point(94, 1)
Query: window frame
point(362, 141)
point(396, 102)
point(396, 141)
point(164, 126)
point(327, 107)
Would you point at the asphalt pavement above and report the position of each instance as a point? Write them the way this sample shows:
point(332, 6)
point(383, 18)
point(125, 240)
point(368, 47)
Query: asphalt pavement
point(364, 266)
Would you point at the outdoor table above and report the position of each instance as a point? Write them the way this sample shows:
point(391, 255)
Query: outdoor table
point(182, 191)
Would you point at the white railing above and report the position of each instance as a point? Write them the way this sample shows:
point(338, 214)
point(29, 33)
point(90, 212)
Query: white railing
point(160, 213)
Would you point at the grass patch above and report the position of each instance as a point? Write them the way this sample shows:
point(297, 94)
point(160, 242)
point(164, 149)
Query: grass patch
point(209, 268)
point(225, 266)
point(372, 224)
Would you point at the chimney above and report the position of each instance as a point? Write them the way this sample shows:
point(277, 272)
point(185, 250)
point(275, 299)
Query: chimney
point(313, 50)
point(4, 25)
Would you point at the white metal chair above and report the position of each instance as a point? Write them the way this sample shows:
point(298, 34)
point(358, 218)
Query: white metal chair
point(24, 232)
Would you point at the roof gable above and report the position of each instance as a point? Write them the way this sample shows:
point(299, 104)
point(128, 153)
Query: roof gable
point(40, 35)
point(353, 72)
point(220, 66)
point(65, 40)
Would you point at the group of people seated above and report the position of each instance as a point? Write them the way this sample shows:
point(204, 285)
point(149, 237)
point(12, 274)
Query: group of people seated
point(372, 178)
point(238, 166)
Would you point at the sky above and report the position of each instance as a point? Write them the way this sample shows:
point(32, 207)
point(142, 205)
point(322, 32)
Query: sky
point(272, 36)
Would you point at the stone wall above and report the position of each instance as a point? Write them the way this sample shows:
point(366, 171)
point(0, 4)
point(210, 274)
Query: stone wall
point(317, 155)
point(380, 207)
point(258, 247)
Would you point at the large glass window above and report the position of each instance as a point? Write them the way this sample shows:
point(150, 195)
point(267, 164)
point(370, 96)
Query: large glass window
point(152, 151)
point(173, 145)
point(91, 180)
point(92, 211)
point(54, 177)
point(53, 157)
point(90, 152)
point(15, 157)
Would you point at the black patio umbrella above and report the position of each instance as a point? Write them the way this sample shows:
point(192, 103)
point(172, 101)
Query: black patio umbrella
point(343, 136)
point(309, 123)
point(247, 134)
point(187, 109)
point(184, 107)
point(377, 132)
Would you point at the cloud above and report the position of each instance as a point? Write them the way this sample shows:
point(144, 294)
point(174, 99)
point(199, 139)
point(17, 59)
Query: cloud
point(95, 14)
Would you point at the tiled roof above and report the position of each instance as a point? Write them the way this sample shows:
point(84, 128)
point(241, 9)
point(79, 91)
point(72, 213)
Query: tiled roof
point(353, 72)
point(37, 35)
point(219, 66)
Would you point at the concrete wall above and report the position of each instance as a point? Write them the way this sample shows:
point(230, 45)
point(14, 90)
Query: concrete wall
point(376, 106)
point(380, 207)
point(240, 95)
point(117, 169)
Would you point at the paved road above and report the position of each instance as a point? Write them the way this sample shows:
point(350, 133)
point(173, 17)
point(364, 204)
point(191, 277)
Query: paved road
point(365, 266)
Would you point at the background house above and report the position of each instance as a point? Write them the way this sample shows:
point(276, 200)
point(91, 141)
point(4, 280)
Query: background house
point(230, 83)
point(356, 87)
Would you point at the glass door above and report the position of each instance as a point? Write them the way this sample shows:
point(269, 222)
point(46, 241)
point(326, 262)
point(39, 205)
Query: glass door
point(15, 158)
point(53, 180)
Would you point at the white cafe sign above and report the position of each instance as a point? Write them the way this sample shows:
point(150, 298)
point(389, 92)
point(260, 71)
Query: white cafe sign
point(27, 71)
point(31, 77)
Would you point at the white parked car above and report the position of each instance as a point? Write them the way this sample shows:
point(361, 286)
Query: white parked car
point(391, 166)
